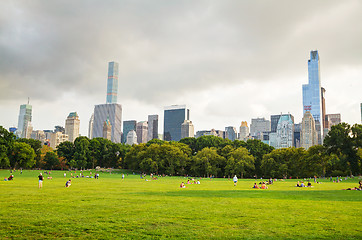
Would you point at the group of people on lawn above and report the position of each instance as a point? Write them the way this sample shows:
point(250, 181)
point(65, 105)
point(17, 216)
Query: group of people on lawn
point(182, 185)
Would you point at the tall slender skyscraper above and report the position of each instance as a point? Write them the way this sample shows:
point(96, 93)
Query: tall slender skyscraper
point(111, 110)
point(24, 120)
point(312, 93)
point(174, 116)
point(72, 126)
point(152, 127)
point(112, 82)
point(90, 127)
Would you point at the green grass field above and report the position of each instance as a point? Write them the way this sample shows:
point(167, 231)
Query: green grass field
point(112, 208)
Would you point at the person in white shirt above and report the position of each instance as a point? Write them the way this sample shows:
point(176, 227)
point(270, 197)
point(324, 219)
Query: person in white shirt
point(235, 179)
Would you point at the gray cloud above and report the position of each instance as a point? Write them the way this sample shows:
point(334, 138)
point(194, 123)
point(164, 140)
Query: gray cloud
point(168, 49)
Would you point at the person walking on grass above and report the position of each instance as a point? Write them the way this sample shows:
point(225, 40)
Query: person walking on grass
point(41, 178)
point(235, 179)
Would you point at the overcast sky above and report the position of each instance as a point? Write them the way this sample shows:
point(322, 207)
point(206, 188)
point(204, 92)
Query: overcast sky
point(228, 61)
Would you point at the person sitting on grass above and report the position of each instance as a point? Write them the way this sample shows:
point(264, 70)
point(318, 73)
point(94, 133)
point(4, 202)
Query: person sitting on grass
point(263, 186)
point(255, 185)
point(302, 184)
point(182, 185)
point(309, 184)
point(11, 178)
point(68, 183)
point(298, 184)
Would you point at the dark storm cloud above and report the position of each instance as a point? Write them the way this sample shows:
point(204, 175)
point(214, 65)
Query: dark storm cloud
point(49, 48)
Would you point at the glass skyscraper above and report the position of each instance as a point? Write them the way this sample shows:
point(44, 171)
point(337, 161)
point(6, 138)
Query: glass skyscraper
point(112, 82)
point(312, 93)
point(112, 112)
point(127, 127)
point(230, 133)
point(152, 127)
point(174, 116)
point(24, 120)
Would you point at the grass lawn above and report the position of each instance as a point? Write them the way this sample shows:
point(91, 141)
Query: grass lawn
point(112, 208)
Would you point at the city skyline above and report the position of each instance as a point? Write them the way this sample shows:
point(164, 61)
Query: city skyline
point(228, 62)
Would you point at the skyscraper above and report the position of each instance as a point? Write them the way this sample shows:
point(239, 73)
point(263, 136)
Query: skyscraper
point(72, 126)
point(152, 127)
point(111, 110)
point(285, 131)
point(90, 127)
point(112, 82)
point(274, 119)
point(258, 126)
point(127, 127)
point(312, 93)
point(24, 120)
point(309, 134)
point(244, 131)
point(230, 133)
point(142, 132)
point(187, 129)
point(174, 116)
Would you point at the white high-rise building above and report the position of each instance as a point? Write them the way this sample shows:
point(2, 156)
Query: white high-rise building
point(187, 129)
point(244, 131)
point(131, 137)
point(308, 135)
point(72, 124)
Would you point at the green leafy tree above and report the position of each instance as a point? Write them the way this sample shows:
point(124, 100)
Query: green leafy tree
point(36, 145)
point(342, 140)
point(22, 155)
point(207, 162)
point(82, 152)
point(51, 161)
point(66, 150)
point(243, 161)
point(258, 149)
point(7, 140)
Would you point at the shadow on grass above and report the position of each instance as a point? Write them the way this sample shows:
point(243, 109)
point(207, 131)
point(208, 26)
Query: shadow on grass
point(333, 195)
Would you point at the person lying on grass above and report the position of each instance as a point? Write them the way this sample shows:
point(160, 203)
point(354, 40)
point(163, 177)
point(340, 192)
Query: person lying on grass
point(355, 188)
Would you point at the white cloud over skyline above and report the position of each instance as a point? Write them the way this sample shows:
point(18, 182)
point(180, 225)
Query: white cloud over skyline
point(228, 61)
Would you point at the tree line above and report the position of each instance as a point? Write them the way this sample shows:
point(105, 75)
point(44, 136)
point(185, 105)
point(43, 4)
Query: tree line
point(341, 154)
